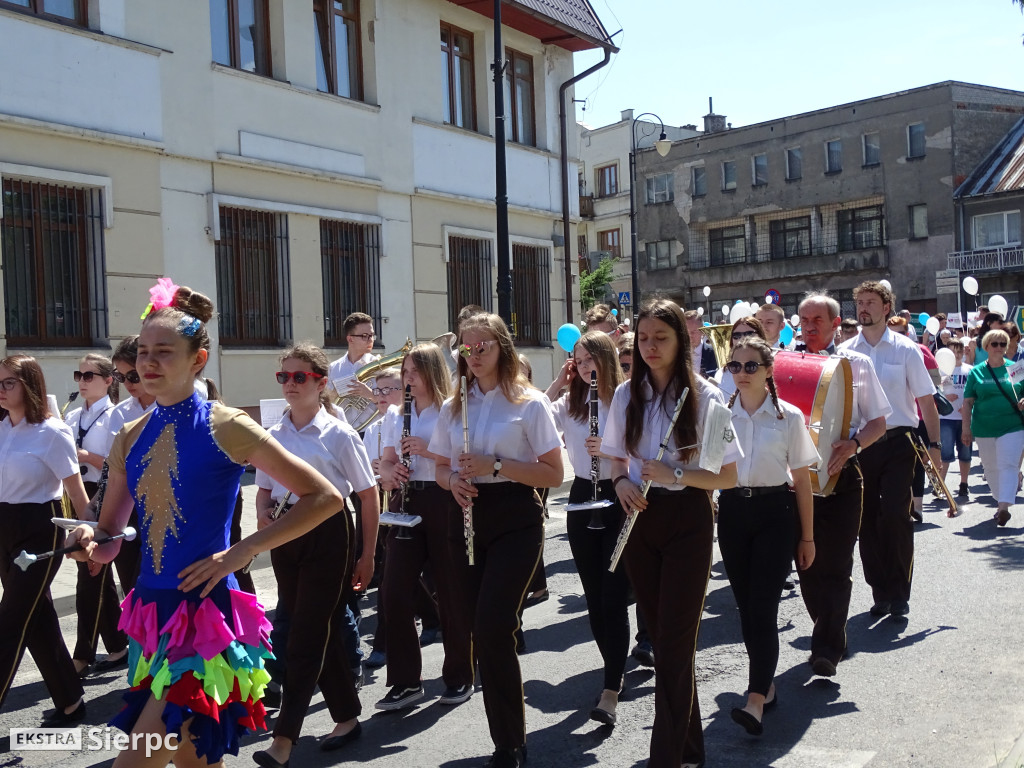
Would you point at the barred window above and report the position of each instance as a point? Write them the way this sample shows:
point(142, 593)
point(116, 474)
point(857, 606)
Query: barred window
point(470, 277)
point(350, 258)
point(531, 295)
point(790, 237)
point(861, 228)
point(253, 279)
point(727, 245)
point(55, 289)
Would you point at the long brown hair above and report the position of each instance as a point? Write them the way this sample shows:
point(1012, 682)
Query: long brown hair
point(310, 353)
point(27, 370)
point(511, 379)
point(685, 431)
point(609, 374)
point(429, 363)
point(767, 356)
point(105, 367)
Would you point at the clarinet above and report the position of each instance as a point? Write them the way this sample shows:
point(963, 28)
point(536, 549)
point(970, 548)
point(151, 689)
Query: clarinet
point(596, 515)
point(467, 511)
point(627, 526)
point(403, 530)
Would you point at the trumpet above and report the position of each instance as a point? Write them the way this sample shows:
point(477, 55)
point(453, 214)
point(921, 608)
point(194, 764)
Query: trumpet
point(595, 505)
point(934, 478)
point(627, 526)
point(467, 511)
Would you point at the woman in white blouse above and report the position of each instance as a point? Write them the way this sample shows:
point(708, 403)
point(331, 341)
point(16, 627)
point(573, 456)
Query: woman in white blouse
point(514, 448)
point(758, 520)
point(672, 538)
point(96, 598)
point(37, 458)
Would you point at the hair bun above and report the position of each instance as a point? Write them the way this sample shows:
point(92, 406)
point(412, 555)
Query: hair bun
point(193, 303)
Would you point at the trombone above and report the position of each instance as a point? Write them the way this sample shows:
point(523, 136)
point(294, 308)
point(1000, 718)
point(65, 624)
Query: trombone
point(937, 483)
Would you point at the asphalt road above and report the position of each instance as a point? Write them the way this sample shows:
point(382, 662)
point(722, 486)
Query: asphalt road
point(939, 688)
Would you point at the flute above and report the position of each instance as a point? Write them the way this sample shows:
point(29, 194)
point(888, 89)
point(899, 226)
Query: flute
point(406, 431)
point(467, 511)
point(627, 526)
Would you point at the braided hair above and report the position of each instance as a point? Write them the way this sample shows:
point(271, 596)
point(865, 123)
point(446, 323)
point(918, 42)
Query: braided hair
point(766, 354)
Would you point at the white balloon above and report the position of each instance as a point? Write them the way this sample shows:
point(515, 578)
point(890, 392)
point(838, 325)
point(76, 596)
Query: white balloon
point(740, 311)
point(998, 304)
point(725, 309)
point(769, 299)
point(887, 284)
point(626, 321)
point(700, 311)
point(970, 286)
point(795, 320)
point(932, 326)
point(946, 361)
point(707, 291)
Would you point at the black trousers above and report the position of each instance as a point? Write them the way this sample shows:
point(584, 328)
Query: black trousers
point(405, 561)
point(827, 585)
point(756, 536)
point(27, 617)
point(312, 572)
point(886, 530)
point(508, 522)
point(668, 558)
point(607, 593)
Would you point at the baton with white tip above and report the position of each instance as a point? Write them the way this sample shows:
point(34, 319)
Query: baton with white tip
point(24, 560)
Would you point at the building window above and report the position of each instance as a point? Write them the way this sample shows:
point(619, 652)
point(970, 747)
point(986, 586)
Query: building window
point(727, 245)
point(728, 175)
point(918, 221)
point(790, 237)
point(861, 228)
point(531, 295)
point(469, 275)
point(338, 59)
point(608, 180)
point(73, 11)
point(700, 182)
point(457, 63)
point(350, 263)
point(660, 188)
point(833, 156)
point(519, 97)
point(240, 31)
point(253, 282)
point(794, 163)
point(872, 149)
point(759, 170)
point(915, 140)
point(661, 255)
point(992, 230)
point(55, 288)
point(608, 240)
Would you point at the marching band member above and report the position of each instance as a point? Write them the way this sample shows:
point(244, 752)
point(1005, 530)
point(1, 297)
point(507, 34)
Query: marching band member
point(181, 463)
point(666, 547)
point(360, 336)
point(761, 518)
point(607, 593)
point(37, 457)
point(827, 584)
point(425, 372)
point(745, 327)
point(311, 575)
point(96, 600)
point(514, 448)
point(773, 319)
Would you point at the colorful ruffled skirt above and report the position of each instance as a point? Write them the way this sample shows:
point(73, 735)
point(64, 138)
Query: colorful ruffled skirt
point(203, 658)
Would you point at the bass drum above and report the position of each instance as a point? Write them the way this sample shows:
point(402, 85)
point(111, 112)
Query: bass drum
point(822, 388)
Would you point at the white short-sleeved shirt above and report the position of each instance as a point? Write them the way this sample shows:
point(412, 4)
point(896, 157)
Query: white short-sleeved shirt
point(34, 459)
point(330, 446)
point(421, 425)
point(575, 433)
point(725, 382)
point(373, 438)
point(900, 369)
point(516, 431)
point(773, 445)
point(954, 384)
point(341, 369)
point(657, 415)
point(869, 400)
point(125, 411)
point(98, 438)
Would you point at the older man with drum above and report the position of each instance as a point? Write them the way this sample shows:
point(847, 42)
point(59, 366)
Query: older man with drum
point(826, 586)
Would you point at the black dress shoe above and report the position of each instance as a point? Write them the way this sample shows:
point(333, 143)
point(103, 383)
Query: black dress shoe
point(86, 671)
point(900, 608)
point(265, 759)
point(824, 667)
point(332, 743)
point(603, 716)
point(507, 758)
point(774, 701)
point(108, 664)
point(750, 723)
point(58, 719)
point(881, 608)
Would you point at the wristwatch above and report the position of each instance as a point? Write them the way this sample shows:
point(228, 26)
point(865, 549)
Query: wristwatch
point(497, 466)
point(935, 445)
point(679, 476)
point(859, 446)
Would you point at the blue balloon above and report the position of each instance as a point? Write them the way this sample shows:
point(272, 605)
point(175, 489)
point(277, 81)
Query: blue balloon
point(615, 312)
point(786, 336)
point(568, 335)
point(923, 318)
point(707, 324)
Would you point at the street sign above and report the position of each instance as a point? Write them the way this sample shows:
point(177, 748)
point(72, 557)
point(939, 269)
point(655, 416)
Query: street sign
point(771, 296)
point(624, 298)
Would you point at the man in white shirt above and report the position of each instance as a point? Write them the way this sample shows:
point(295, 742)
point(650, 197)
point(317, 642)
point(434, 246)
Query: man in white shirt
point(772, 318)
point(911, 331)
point(886, 531)
point(360, 337)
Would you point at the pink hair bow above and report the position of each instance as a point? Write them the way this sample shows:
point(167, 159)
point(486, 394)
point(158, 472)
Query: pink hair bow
point(161, 295)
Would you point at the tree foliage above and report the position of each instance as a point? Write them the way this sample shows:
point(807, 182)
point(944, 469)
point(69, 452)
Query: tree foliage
point(594, 283)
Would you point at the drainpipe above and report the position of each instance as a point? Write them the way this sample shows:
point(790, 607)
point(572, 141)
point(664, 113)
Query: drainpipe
point(564, 157)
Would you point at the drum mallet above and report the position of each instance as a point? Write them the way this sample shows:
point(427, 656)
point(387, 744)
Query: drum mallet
point(24, 560)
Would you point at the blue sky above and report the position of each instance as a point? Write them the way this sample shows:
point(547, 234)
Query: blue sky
point(763, 60)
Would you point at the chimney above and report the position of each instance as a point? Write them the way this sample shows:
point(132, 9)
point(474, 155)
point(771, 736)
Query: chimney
point(713, 123)
point(627, 115)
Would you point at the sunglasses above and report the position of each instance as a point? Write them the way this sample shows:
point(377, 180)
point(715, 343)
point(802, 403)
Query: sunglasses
point(132, 377)
point(363, 336)
point(481, 347)
point(8, 384)
point(735, 366)
point(743, 334)
point(87, 376)
point(626, 367)
point(378, 391)
point(997, 344)
point(299, 376)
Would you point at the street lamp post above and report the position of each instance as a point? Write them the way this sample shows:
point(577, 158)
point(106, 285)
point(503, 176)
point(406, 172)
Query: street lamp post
point(662, 145)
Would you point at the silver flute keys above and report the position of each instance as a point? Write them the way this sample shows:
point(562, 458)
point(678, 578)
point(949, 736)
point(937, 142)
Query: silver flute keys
point(467, 511)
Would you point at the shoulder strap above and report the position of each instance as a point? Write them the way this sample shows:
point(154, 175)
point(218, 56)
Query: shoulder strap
point(1011, 400)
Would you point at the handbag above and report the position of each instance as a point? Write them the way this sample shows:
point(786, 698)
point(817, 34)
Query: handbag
point(1013, 402)
point(942, 405)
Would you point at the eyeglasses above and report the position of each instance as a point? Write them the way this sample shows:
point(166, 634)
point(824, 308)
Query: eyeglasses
point(735, 366)
point(86, 376)
point(481, 347)
point(625, 367)
point(1001, 344)
point(8, 384)
point(742, 334)
point(299, 376)
point(363, 336)
point(132, 377)
point(378, 391)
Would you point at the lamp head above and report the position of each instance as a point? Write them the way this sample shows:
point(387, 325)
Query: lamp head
point(663, 145)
